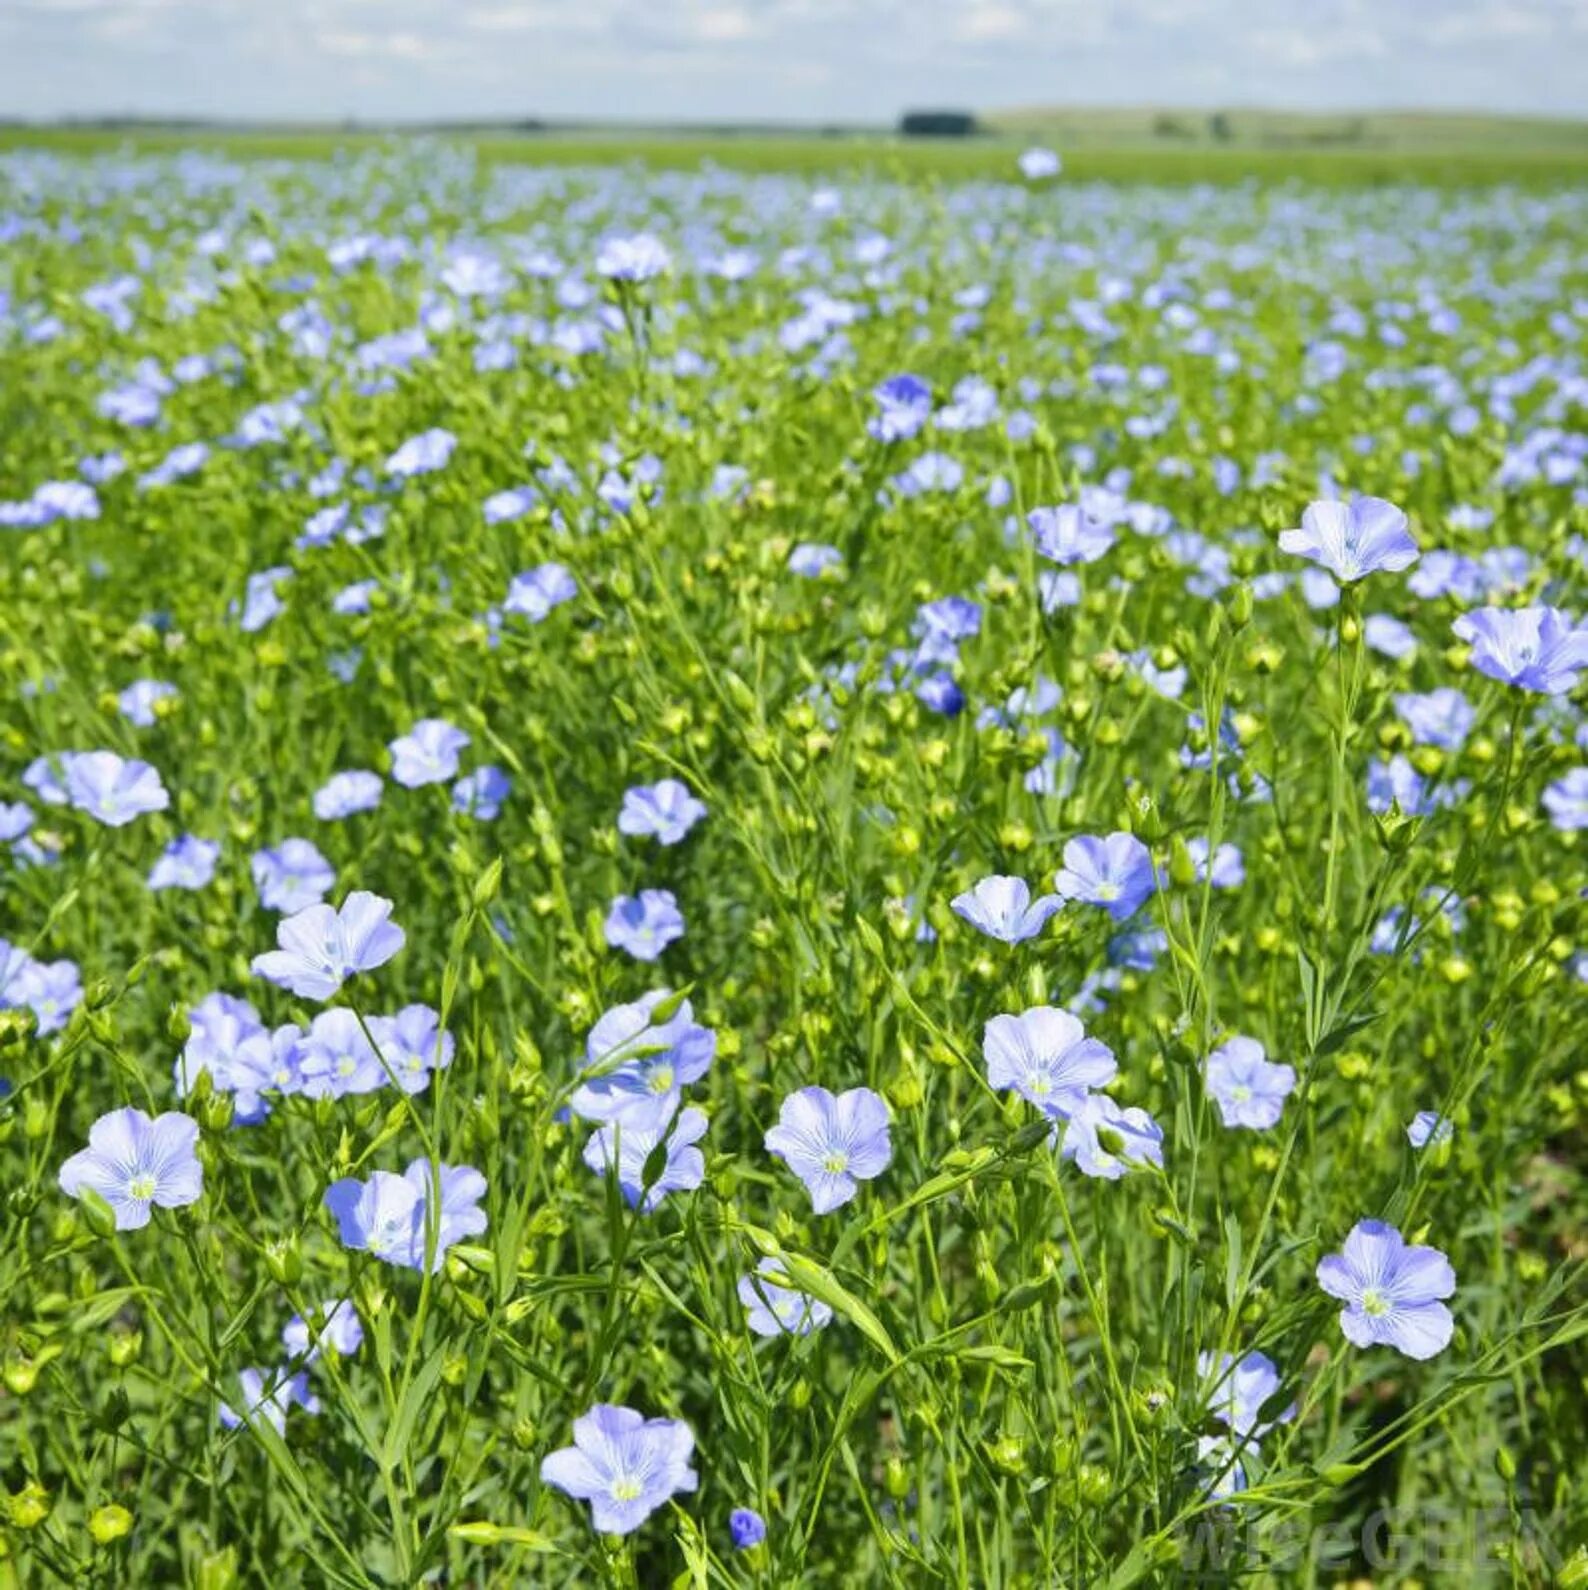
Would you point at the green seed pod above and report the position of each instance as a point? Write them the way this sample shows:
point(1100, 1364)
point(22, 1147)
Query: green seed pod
point(284, 1262)
point(97, 1215)
point(109, 1523)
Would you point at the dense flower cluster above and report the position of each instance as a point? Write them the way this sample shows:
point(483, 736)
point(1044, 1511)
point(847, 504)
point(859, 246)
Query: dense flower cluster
point(671, 660)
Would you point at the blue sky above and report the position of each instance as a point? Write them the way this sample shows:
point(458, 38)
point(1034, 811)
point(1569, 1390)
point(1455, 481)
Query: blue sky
point(812, 60)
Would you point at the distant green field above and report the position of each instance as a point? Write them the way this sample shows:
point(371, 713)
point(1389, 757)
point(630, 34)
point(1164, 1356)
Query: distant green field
point(1100, 146)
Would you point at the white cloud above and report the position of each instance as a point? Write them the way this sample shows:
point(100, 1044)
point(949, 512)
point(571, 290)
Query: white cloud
point(847, 60)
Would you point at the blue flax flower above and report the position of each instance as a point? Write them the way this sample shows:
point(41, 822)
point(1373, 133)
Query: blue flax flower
point(628, 1142)
point(1429, 1126)
point(536, 592)
point(1114, 872)
point(774, 1308)
point(186, 863)
point(134, 1163)
point(637, 1065)
point(112, 790)
point(1353, 539)
point(387, 1215)
point(343, 794)
point(480, 794)
point(1533, 648)
point(427, 754)
point(624, 1465)
point(746, 1527)
point(320, 947)
point(335, 1325)
point(832, 1144)
point(1068, 535)
point(1044, 1055)
point(664, 811)
point(644, 924)
point(267, 1394)
point(1240, 1387)
point(1249, 1089)
point(1003, 909)
point(292, 876)
point(1105, 1140)
point(1392, 1292)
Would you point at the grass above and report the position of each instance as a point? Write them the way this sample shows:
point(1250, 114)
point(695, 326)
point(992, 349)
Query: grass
point(1451, 153)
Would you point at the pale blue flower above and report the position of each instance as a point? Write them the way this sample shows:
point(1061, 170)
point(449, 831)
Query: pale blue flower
point(1249, 1089)
point(832, 1144)
point(1106, 1141)
point(644, 924)
point(664, 811)
point(628, 1140)
point(186, 863)
point(624, 1465)
point(1044, 1055)
point(1115, 872)
point(1002, 908)
point(1392, 1292)
point(320, 947)
point(427, 754)
point(774, 1308)
point(134, 1163)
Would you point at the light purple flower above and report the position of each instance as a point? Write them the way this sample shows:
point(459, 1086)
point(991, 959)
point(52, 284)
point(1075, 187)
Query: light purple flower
point(1240, 1387)
point(1392, 1292)
point(777, 1309)
point(832, 1144)
point(292, 876)
point(320, 947)
point(1229, 870)
point(905, 405)
point(267, 1394)
point(664, 811)
point(480, 794)
point(535, 593)
point(624, 1465)
point(16, 818)
point(186, 863)
point(628, 1141)
point(134, 1163)
point(336, 1059)
point(1038, 164)
point(1249, 1089)
point(112, 790)
point(50, 989)
point(422, 454)
point(137, 702)
point(637, 258)
point(1044, 1055)
point(1533, 648)
point(345, 793)
point(1429, 1126)
point(1566, 801)
point(386, 1216)
point(427, 754)
point(1002, 908)
point(1106, 1141)
point(1069, 535)
point(644, 924)
point(636, 1065)
point(812, 559)
point(1443, 717)
point(412, 1045)
point(337, 1326)
point(1115, 872)
point(1353, 539)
